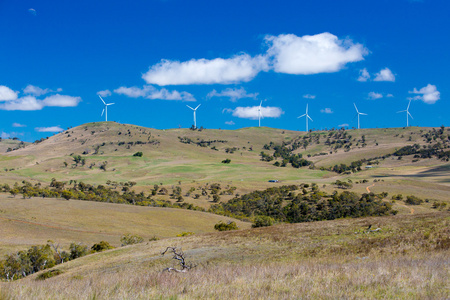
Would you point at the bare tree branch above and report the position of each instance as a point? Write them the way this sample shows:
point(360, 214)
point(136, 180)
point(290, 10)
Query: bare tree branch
point(178, 255)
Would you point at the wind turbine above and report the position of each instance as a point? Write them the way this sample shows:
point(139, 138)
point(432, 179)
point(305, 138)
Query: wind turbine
point(359, 113)
point(306, 117)
point(194, 109)
point(259, 114)
point(407, 113)
point(105, 110)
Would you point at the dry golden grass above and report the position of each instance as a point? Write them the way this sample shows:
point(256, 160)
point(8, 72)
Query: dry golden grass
point(26, 222)
point(407, 259)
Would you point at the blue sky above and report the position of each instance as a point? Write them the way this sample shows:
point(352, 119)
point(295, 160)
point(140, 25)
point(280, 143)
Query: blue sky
point(153, 57)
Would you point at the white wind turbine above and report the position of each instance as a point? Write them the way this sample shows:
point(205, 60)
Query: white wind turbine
point(306, 117)
point(105, 110)
point(259, 114)
point(194, 109)
point(407, 113)
point(359, 113)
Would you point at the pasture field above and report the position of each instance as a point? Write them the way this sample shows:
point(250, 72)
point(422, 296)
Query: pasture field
point(407, 259)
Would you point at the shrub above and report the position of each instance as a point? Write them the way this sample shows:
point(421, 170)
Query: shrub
point(226, 161)
point(397, 197)
point(101, 246)
point(129, 239)
point(185, 233)
point(413, 200)
point(77, 250)
point(221, 226)
point(262, 221)
point(48, 274)
point(138, 154)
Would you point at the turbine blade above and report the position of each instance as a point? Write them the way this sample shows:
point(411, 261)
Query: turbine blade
point(260, 104)
point(190, 107)
point(110, 103)
point(363, 114)
point(306, 108)
point(301, 116)
point(410, 115)
point(401, 111)
point(197, 106)
point(102, 99)
point(310, 118)
point(408, 105)
point(102, 113)
point(356, 108)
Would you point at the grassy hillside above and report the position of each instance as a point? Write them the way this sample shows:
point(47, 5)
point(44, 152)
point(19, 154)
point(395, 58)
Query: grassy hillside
point(406, 258)
point(193, 158)
point(27, 222)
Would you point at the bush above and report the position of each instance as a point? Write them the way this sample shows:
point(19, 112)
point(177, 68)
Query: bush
point(129, 239)
point(397, 197)
point(226, 161)
point(48, 274)
point(77, 250)
point(138, 154)
point(101, 246)
point(413, 200)
point(185, 233)
point(221, 226)
point(262, 221)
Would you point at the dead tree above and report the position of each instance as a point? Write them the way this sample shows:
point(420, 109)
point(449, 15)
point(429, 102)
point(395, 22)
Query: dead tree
point(178, 255)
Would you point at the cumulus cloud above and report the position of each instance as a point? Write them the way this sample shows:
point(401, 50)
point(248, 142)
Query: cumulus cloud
point(326, 111)
point(150, 92)
point(240, 68)
point(49, 129)
point(385, 75)
point(26, 103)
point(251, 112)
point(7, 94)
point(233, 94)
point(363, 75)
point(30, 102)
point(18, 125)
point(374, 96)
point(428, 94)
point(312, 54)
point(287, 53)
point(308, 96)
point(229, 123)
point(104, 94)
point(61, 101)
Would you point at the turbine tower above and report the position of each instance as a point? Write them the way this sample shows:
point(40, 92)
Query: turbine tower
point(306, 117)
point(359, 113)
point(194, 109)
point(105, 110)
point(259, 114)
point(407, 113)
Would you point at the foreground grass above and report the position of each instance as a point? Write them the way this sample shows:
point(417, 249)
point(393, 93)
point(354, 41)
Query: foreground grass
point(407, 259)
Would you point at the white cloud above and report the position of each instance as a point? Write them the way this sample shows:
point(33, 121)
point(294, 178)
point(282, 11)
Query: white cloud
point(229, 123)
point(5, 135)
point(32, 11)
point(18, 125)
point(35, 90)
point(308, 96)
point(26, 103)
point(428, 94)
point(389, 95)
point(61, 101)
point(251, 112)
point(326, 111)
point(233, 94)
point(343, 125)
point(49, 129)
point(312, 54)
point(374, 96)
point(150, 92)
point(385, 75)
point(240, 68)
point(104, 93)
point(7, 94)
point(363, 75)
